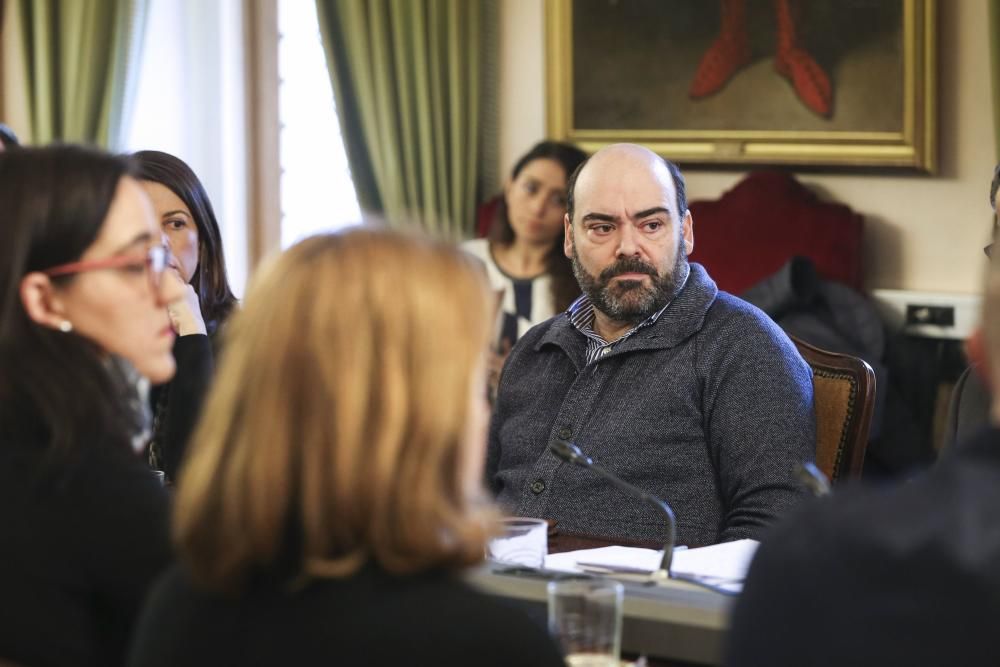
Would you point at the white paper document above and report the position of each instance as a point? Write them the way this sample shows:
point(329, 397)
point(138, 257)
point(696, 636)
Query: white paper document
point(721, 566)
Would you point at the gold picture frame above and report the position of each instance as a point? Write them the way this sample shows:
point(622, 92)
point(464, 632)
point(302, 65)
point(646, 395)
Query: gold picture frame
point(611, 71)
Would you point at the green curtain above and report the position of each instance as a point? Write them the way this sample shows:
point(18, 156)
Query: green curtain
point(406, 77)
point(79, 56)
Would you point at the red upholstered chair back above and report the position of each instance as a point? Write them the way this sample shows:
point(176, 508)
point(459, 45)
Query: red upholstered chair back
point(486, 216)
point(768, 217)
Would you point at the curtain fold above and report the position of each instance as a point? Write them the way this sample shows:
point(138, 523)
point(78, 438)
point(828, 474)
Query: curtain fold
point(79, 60)
point(406, 76)
point(994, 28)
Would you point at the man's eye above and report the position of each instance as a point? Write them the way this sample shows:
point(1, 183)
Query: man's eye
point(654, 225)
point(602, 229)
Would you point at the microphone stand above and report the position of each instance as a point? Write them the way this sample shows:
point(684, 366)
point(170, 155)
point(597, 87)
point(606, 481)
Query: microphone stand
point(569, 452)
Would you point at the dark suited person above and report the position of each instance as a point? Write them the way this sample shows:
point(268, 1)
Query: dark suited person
point(968, 411)
point(888, 576)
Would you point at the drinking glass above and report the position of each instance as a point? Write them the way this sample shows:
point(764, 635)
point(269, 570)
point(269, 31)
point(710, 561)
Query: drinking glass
point(585, 618)
point(522, 542)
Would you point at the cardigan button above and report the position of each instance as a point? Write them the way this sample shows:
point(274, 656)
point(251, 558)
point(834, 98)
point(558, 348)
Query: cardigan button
point(565, 433)
point(538, 486)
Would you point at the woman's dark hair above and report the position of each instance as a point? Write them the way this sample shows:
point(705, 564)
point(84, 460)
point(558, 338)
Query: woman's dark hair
point(56, 389)
point(209, 279)
point(564, 286)
point(994, 186)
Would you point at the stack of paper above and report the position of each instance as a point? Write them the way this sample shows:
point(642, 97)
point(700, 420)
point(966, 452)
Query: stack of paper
point(720, 566)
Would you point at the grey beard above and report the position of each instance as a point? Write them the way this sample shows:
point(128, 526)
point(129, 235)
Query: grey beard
point(631, 301)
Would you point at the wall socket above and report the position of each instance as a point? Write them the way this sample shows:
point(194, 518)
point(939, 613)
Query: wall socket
point(928, 314)
point(943, 316)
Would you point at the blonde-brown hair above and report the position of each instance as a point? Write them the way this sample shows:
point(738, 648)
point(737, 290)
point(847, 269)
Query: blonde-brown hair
point(338, 428)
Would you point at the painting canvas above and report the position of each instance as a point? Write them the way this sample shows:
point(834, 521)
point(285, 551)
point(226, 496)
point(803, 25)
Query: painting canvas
point(838, 82)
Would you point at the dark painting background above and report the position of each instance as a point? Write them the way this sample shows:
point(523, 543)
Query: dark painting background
point(633, 62)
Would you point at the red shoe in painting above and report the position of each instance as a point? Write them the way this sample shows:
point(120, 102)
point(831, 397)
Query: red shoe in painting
point(728, 53)
point(723, 59)
point(811, 83)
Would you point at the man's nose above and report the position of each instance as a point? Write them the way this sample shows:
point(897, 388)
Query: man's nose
point(628, 241)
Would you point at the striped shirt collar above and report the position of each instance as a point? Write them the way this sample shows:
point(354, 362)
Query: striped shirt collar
point(581, 316)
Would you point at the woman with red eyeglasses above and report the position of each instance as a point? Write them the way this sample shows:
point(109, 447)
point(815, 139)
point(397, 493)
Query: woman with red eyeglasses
point(83, 521)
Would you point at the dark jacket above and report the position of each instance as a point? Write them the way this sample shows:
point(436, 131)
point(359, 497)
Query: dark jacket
point(177, 404)
point(904, 575)
point(968, 411)
point(710, 408)
point(371, 618)
point(80, 543)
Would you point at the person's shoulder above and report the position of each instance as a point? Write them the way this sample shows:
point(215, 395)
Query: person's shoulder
point(178, 624)
point(900, 524)
point(173, 588)
point(477, 247)
point(732, 309)
point(732, 325)
point(848, 562)
point(523, 640)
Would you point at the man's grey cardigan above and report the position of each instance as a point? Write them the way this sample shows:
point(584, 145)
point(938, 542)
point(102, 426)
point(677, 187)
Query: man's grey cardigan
point(709, 408)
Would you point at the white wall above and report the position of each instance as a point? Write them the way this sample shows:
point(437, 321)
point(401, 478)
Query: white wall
point(922, 233)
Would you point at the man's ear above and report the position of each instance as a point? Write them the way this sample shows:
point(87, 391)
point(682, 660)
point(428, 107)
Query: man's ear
point(40, 301)
point(687, 232)
point(567, 235)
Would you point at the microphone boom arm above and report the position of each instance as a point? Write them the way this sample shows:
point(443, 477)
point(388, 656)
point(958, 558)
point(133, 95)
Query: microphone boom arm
point(668, 551)
point(569, 452)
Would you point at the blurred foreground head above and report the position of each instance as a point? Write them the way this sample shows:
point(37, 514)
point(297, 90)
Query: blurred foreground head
point(79, 287)
point(347, 423)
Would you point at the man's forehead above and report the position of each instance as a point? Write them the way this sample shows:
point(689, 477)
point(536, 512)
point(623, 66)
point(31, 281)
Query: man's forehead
point(635, 183)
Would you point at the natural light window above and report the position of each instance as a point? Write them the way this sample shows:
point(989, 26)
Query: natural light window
point(316, 189)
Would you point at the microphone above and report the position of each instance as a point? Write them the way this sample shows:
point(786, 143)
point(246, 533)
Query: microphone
point(570, 453)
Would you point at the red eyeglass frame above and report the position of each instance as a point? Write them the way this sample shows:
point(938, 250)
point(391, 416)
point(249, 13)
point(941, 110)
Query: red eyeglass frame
point(155, 259)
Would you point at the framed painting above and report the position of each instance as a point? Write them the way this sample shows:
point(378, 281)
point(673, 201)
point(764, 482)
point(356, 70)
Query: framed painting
point(747, 82)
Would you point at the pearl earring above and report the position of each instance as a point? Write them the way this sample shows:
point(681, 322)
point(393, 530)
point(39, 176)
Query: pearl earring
point(65, 326)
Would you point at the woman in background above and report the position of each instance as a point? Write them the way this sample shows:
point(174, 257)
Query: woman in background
point(332, 492)
point(83, 521)
point(191, 232)
point(524, 255)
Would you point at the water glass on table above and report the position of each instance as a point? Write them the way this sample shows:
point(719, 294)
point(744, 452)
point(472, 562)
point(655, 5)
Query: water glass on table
point(522, 542)
point(585, 618)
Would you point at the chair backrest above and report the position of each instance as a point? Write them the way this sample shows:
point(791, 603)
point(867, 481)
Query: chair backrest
point(844, 396)
point(767, 218)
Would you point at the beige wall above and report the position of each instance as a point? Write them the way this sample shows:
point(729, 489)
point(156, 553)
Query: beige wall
point(922, 233)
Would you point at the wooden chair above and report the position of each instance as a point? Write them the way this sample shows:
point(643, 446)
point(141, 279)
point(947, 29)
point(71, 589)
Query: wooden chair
point(844, 396)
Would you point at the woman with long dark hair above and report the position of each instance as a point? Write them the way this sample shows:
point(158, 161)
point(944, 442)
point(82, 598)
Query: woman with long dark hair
point(82, 310)
point(192, 233)
point(528, 270)
point(524, 252)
